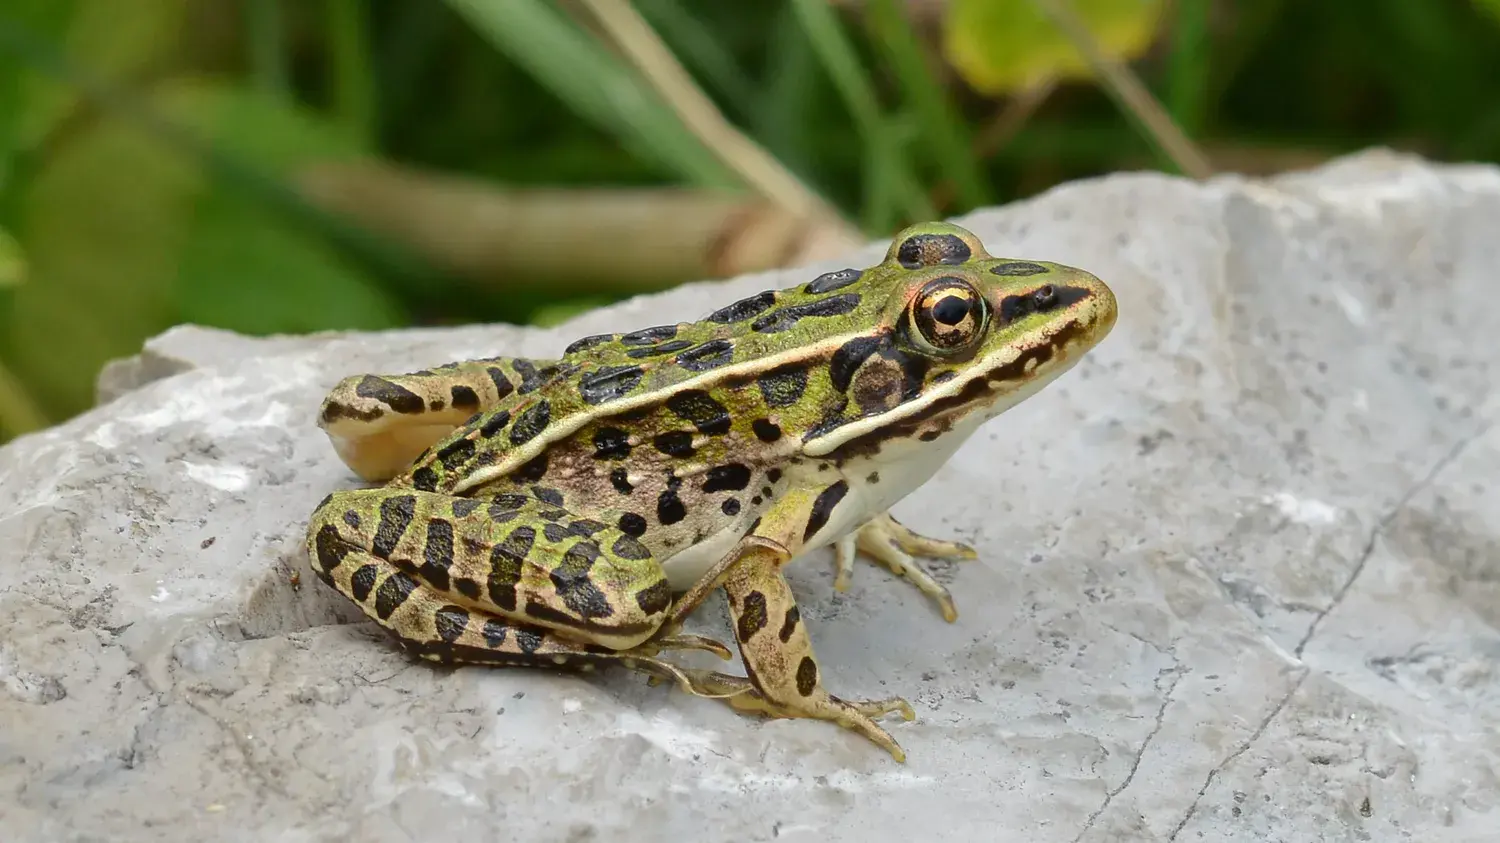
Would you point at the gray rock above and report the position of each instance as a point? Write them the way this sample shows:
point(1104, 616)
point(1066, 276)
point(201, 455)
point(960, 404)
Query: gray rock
point(1240, 577)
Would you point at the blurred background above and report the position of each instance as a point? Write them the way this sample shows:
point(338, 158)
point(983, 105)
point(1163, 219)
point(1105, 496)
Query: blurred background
point(289, 166)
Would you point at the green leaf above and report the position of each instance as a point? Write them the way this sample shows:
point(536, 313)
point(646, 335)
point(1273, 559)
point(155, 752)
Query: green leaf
point(1489, 7)
point(127, 235)
point(1000, 46)
point(12, 261)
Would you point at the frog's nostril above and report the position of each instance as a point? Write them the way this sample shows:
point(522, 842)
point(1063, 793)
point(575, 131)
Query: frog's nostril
point(1045, 297)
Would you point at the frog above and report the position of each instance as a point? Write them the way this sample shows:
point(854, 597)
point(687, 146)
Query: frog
point(573, 512)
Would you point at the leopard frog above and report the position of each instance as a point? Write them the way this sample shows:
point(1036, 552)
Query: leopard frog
point(572, 512)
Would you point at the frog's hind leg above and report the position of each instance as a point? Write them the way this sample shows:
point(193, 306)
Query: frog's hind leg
point(892, 545)
point(380, 424)
point(506, 581)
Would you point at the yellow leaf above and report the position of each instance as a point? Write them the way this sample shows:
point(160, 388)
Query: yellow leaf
point(999, 46)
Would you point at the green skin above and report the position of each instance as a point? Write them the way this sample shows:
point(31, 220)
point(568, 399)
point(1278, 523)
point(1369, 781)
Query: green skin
point(548, 512)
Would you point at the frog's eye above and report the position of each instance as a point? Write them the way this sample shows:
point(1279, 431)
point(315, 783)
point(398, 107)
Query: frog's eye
point(947, 316)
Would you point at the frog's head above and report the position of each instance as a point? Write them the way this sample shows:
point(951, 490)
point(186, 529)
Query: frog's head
point(972, 334)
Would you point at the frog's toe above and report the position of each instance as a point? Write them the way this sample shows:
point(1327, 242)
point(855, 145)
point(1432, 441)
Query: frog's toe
point(920, 545)
point(689, 641)
point(885, 546)
point(844, 552)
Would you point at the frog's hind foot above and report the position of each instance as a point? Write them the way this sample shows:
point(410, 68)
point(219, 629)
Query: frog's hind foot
point(889, 543)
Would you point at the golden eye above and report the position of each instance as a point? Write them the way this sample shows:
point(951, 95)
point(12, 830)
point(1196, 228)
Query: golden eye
point(947, 316)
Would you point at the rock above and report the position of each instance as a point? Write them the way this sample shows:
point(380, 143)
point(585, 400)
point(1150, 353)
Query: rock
point(1240, 577)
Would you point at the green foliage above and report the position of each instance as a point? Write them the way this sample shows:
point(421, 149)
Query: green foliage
point(150, 150)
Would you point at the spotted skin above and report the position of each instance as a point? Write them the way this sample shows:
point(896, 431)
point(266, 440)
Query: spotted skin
point(535, 510)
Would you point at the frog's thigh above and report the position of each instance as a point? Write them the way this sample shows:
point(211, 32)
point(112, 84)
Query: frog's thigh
point(380, 424)
point(429, 567)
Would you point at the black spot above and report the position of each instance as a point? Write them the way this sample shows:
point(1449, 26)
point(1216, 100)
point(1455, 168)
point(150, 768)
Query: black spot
point(392, 593)
point(873, 478)
point(510, 500)
point(548, 496)
point(532, 378)
point(780, 320)
point(928, 435)
point(528, 641)
point(503, 386)
point(626, 547)
point(698, 407)
point(574, 582)
point(395, 396)
point(674, 443)
point(611, 443)
point(363, 582)
point(464, 397)
point(333, 411)
point(655, 598)
point(585, 527)
point(632, 524)
point(351, 518)
point(609, 383)
point(807, 676)
point(850, 356)
point(743, 309)
point(494, 633)
point(830, 281)
point(396, 514)
point(531, 422)
point(450, 622)
point(494, 424)
point(921, 250)
point(424, 479)
point(553, 515)
point(730, 506)
point(507, 561)
point(669, 508)
point(752, 616)
point(587, 343)
point(823, 507)
point(437, 554)
point(709, 355)
point(783, 385)
point(454, 453)
point(648, 336)
point(765, 430)
point(620, 479)
point(658, 350)
point(729, 477)
point(789, 624)
point(533, 469)
point(556, 532)
point(464, 506)
point(1018, 268)
point(944, 377)
point(467, 587)
point(330, 548)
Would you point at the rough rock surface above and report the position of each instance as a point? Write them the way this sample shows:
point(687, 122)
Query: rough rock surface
point(1240, 577)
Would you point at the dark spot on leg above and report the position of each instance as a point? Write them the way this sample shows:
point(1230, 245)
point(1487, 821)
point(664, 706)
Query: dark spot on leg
point(533, 469)
point(351, 519)
point(494, 633)
point(752, 616)
point(789, 624)
point(424, 479)
point(395, 396)
point(548, 496)
point(451, 621)
point(773, 475)
point(730, 506)
point(464, 506)
point(467, 587)
point(437, 554)
point(494, 424)
point(626, 547)
point(611, 443)
point(823, 507)
point(363, 582)
point(807, 676)
point(330, 547)
point(873, 478)
point(528, 641)
point(556, 532)
point(455, 453)
point(396, 514)
point(464, 398)
point(507, 561)
point(392, 593)
point(503, 386)
point(655, 598)
point(573, 579)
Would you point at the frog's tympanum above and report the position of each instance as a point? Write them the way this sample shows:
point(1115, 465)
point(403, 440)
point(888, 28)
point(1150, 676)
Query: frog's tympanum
point(573, 512)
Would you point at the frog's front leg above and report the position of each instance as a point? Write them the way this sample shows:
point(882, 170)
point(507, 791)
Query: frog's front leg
point(379, 424)
point(892, 544)
point(784, 679)
point(508, 580)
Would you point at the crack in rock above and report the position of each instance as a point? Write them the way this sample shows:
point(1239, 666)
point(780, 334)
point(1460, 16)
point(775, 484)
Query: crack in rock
point(1161, 714)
